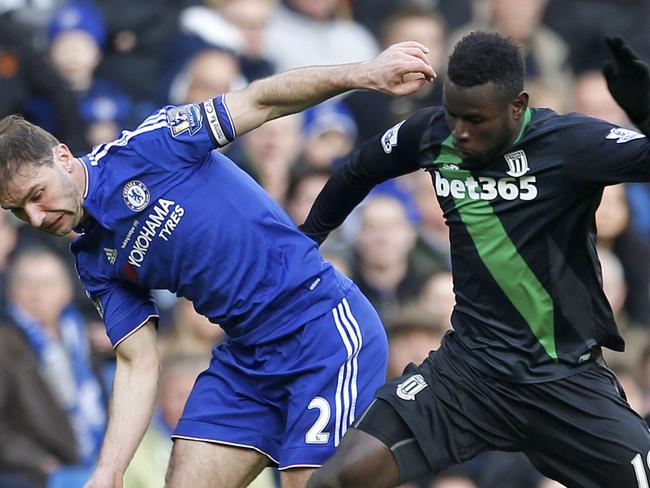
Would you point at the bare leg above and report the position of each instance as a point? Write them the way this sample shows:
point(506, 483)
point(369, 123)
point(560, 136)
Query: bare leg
point(207, 465)
point(295, 477)
point(360, 461)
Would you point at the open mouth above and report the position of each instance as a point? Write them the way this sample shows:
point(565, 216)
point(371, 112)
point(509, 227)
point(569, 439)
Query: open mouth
point(465, 154)
point(56, 224)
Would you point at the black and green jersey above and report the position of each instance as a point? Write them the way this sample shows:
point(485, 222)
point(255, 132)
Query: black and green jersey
point(529, 300)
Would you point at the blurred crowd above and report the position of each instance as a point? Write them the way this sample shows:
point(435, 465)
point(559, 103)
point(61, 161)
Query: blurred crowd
point(85, 70)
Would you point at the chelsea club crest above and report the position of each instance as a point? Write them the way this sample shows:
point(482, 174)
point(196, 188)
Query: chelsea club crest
point(136, 195)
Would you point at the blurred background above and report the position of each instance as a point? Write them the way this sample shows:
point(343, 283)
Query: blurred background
point(85, 71)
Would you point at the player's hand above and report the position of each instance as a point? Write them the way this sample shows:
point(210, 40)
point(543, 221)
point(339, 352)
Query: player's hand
point(628, 80)
point(401, 69)
point(105, 478)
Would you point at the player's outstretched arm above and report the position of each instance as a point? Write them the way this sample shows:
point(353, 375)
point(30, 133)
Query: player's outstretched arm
point(132, 404)
point(628, 80)
point(399, 70)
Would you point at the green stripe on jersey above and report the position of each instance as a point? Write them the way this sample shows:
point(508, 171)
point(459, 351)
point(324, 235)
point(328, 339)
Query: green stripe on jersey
point(500, 255)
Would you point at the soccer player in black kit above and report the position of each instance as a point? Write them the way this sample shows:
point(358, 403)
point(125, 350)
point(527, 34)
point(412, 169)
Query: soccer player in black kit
point(522, 370)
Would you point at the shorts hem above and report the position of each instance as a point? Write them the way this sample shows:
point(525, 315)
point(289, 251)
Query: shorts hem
point(216, 434)
point(291, 466)
point(296, 458)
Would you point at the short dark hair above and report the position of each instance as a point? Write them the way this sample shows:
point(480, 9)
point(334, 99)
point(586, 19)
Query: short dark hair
point(22, 144)
point(481, 57)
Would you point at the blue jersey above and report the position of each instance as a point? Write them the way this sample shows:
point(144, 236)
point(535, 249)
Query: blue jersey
point(168, 212)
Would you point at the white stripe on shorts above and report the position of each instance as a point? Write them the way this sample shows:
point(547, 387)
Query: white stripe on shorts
point(346, 386)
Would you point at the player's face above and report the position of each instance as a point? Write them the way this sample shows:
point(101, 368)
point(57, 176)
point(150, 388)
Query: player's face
point(481, 123)
point(46, 197)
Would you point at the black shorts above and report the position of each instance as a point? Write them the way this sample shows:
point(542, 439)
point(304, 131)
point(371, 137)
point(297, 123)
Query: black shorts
point(577, 430)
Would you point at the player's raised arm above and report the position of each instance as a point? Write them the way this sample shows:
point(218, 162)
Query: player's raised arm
point(399, 70)
point(132, 404)
point(628, 80)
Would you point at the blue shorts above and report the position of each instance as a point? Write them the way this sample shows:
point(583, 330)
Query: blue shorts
point(292, 399)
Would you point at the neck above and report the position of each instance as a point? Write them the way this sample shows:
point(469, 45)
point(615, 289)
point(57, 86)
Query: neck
point(80, 176)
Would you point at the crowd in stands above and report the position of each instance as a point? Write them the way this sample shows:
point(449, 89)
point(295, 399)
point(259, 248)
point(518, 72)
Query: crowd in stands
point(88, 69)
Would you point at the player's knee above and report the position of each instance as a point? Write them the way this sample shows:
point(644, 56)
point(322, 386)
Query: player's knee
point(346, 476)
point(323, 478)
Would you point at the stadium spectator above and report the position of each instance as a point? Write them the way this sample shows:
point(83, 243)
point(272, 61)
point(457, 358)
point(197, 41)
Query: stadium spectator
point(209, 71)
point(136, 47)
point(591, 97)
point(583, 24)
point(383, 269)
point(25, 73)
point(251, 18)
point(373, 13)
point(8, 239)
point(162, 193)
point(375, 112)
point(39, 295)
point(432, 247)
point(546, 54)
point(190, 333)
point(437, 297)
point(617, 235)
point(76, 36)
point(37, 435)
point(329, 132)
point(412, 334)
point(105, 111)
point(304, 187)
point(270, 152)
point(304, 32)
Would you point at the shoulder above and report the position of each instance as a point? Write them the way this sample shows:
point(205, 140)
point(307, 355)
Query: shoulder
point(12, 343)
point(90, 260)
point(545, 121)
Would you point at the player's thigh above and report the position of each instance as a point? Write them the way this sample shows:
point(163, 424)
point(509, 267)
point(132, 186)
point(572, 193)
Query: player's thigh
point(588, 435)
point(206, 465)
point(295, 477)
point(360, 461)
point(380, 451)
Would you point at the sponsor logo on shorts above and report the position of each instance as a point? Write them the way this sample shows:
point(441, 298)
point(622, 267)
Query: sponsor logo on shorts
point(411, 387)
point(623, 135)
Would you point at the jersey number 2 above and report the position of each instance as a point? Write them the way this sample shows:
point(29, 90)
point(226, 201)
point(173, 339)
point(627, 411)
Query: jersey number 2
point(315, 435)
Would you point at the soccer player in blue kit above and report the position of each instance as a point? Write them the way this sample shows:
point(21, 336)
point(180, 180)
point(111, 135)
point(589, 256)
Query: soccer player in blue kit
point(158, 208)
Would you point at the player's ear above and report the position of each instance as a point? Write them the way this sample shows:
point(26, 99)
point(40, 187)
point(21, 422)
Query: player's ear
point(519, 105)
point(63, 156)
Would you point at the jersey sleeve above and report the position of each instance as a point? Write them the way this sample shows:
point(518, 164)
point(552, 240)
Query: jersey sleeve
point(123, 307)
point(607, 154)
point(394, 153)
point(187, 133)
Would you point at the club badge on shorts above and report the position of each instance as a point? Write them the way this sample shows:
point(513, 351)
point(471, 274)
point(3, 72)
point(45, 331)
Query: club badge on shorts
point(136, 195)
point(413, 385)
